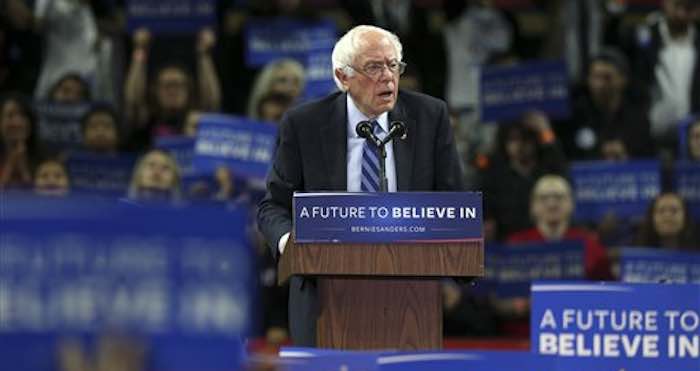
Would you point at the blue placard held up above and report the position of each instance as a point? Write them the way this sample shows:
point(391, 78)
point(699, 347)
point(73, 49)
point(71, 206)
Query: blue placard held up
point(606, 327)
point(100, 174)
point(508, 92)
point(387, 217)
point(511, 269)
point(626, 189)
point(687, 184)
point(170, 16)
point(244, 146)
point(59, 124)
point(310, 43)
point(654, 265)
point(179, 279)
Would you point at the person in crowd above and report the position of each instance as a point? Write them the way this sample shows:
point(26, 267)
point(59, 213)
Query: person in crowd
point(693, 140)
point(191, 124)
point(272, 106)
point(156, 177)
point(283, 76)
point(367, 63)
point(71, 88)
point(161, 109)
point(668, 224)
point(526, 150)
point(480, 31)
point(551, 208)
point(51, 178)
point(607, 107)
point(72, 42)
point(100, 130)
point(665, 52)
point(613, 149)
point(19, 147)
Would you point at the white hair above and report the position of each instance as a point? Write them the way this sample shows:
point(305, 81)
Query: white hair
point(345, 50)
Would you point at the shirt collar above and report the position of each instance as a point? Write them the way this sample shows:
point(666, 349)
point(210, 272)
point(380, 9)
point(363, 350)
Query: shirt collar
point(355, 116)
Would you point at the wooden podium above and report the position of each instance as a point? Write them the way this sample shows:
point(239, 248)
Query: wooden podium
point(381, 296)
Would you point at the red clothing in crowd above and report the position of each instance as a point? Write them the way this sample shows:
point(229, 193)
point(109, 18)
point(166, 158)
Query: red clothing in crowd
point(596, 262)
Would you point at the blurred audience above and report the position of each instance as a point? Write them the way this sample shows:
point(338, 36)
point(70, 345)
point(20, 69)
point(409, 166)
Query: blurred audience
point(526, 150)
point(668, 224)
point(161, 109)
point(665, 52)
point(19, 147)
point(156, 177)
point(100, 130)
point(607, 109)
point(51, 178)
point(693, 140)
point(71, 88)
point(284, 78)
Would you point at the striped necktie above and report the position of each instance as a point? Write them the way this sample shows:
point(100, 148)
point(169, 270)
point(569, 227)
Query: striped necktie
point(370, 163)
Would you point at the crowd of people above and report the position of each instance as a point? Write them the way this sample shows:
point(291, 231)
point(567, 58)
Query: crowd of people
point(634, 81)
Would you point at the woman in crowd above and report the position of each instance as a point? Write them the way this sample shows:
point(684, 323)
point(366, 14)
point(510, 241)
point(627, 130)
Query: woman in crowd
point(174, 91)
point(284, 76)
point(156, 177)
point(70, 89)
point(668, 224)
point(693, 138)
point(18, 142)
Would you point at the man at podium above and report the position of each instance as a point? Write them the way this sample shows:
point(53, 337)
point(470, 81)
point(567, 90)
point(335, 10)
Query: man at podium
point(319, 148)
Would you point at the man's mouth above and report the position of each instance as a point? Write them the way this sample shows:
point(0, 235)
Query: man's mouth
point(386, 94)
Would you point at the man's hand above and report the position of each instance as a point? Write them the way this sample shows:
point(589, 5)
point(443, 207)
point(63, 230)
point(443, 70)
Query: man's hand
point(206, 39)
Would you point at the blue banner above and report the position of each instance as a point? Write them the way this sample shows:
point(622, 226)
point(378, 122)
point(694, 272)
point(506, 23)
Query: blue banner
point(626, 189)
point(170, 16)
point(59, 124)
point(654, 265)
point(182, 150)
point(241, 145)
point(687, 184)
point(611, 327)
point(509, 92)
point(100, 174)
point(310, 43)
point(387, 217)
point(511, 269)
point(311, 359)
point(180, 279)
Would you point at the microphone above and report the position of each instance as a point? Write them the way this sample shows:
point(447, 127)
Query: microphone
point(397, 129)
point(364, 130)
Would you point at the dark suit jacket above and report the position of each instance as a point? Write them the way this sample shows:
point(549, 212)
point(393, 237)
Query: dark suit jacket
point(312, 156)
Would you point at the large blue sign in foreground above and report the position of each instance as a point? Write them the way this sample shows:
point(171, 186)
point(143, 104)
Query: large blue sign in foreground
point(387, 217)
point(617, 326)
point(178, 278)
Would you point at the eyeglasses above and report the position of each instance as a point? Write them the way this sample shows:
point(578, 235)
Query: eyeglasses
point(375, 69)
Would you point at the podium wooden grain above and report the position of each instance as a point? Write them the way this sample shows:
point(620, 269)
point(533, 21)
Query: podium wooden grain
point(381, 296)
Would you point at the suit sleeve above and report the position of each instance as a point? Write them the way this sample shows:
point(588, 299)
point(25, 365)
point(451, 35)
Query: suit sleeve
point(284, 177)
point(448, 167)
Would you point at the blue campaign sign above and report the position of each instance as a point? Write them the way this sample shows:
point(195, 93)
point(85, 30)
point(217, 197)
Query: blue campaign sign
point(310, 359)
point(511, 269)
point(654, 265)
point(387, 217)
point(59, 124)
point(243, 146)
point(310, 43)
point(170, 16)
point(687, 184)
point(616, 326)
point(182, 150)
point(626, 188)
point(510, 91)
point(100, 174)
point(177, 278)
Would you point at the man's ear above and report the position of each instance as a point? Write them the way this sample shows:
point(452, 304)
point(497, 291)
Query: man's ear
point(342, 77)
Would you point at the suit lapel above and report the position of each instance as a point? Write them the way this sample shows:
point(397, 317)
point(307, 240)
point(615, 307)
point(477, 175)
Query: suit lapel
point(334, 144)
point(403, 148)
